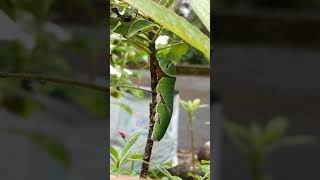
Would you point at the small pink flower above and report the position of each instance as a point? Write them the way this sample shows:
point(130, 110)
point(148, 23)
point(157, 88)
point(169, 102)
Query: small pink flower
point(122, 134)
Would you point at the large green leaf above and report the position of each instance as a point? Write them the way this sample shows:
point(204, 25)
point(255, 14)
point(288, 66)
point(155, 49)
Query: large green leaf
point(128, 145)
point(139, 25)
point(202, 9)
point(172, 22)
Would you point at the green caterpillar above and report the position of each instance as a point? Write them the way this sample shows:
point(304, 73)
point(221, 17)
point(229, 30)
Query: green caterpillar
point(165, 89)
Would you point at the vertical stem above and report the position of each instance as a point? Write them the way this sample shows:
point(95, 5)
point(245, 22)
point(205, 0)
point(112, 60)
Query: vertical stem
point(256, 163)
point(256, 172)
point(191, 130)
point(154, 82)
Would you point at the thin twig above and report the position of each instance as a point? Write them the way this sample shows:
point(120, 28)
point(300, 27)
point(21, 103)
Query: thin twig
point(37, 77)
point(156, 35)
point(169, 46)
point(137, 44)
point(59, 80)
point(191, 130)
point(131, 87)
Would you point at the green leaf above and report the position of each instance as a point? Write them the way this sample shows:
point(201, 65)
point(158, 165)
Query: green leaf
point(169, 3)
point(205, 168)
point(113, 23)
point(165, 178)
point(275, 129)
point(113, 151)
point(171, 21)
point(168, 164)
point(124, 107)
point(128, 145)
point(122, 27)
point(138, 93)
point(177, 51)
point(197, 177)
point(21, 105)
point(202, 9)
point(50, 144)
point(205, 162)
point(292, 141)
point(184, 104)
point(196, 102)
point(139, 25)
point(136, 156)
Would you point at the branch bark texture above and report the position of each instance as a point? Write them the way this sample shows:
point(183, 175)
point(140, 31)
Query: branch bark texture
point(152, 108)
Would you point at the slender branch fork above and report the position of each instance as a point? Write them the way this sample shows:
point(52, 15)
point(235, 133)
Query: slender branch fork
point(169, 46)
point(59, 80)
point(132, 87)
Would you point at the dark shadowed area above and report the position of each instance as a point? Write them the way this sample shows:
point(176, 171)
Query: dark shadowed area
point(267, 65)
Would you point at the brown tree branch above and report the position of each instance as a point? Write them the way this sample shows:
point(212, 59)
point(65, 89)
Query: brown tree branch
point(154, 83)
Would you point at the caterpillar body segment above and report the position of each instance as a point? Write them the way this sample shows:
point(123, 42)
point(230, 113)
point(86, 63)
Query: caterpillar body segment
point(164, 108)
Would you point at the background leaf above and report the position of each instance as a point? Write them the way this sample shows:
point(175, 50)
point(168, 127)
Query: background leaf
point(51, 145)
point(124, 107)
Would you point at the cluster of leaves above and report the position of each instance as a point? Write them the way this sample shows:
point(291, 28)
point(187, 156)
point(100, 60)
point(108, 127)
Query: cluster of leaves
point(123, 158)
point(121, 54)
point(204, 168)
point(257, 142)
point(36, 45)
point(129, 42)
point(170, 21)
point(120, 158)
point(192, 105)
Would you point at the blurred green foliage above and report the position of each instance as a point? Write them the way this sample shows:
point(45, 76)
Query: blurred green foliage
point(258, 142)
point(50, 144)
point(37, 45)
point(42, 49)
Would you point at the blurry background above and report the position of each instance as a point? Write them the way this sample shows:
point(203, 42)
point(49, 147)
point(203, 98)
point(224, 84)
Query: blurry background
point(51, 131)
point(267, 65)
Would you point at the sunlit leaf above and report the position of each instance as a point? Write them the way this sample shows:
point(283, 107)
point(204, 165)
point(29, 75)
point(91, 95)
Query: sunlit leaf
point(136, 156)
point(177, 51)
point(171, 21)
point(113, 151)
point(202, 9)
point(128, 145)
point(168, 164)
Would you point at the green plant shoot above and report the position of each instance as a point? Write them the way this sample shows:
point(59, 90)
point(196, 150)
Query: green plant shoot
point(190, 107)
